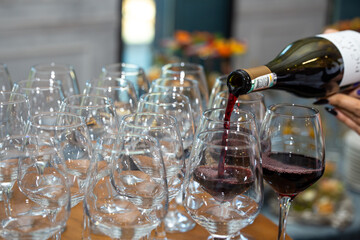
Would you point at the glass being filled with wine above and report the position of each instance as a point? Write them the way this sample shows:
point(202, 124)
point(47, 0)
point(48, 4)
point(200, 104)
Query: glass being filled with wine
point(223, 188)
point(293, 152)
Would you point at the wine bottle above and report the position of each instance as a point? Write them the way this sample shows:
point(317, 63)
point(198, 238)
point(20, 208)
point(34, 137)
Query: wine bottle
point(316, 66)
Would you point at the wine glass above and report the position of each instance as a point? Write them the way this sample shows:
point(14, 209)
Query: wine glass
point(219, 86)
point(127, 193)
point(6, 83)
point(253, 102)
point(165, 129)
point(293, 152)
point(71, 135)
point(240, 119)
point(40, 202)
point(178, 106)
point(62, 73)
point(44, 95)
point(97, 111)
point(190, 71)
point(14, 113)
point(130, 72)
point(223, 184)
point(120, 91)
point(187, 87)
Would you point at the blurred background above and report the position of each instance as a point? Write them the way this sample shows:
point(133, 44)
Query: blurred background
point(222, 35)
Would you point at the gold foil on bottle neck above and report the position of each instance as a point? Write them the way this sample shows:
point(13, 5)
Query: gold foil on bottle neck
point(257, 71)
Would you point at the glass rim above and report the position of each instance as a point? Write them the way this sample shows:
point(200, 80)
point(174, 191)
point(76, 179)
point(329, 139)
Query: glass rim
point(182, 97)
point(113, 67)
point(46, 67)
point(195, 67)
point(79, 120)
point(52, 84)
point(77, 106)
point(315, 112)
point(257, 97)
point(221, 77)
point(250, 117)
point(23, 97)
point(173, 121)
point(155, 82)
point(122, 81)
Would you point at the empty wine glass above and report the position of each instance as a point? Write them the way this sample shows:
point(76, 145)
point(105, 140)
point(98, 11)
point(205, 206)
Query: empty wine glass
point(40, 203)
point(97, 111)
point(43, 95)
point(253, 102)
point(187, 87)
point(190, 71)
point(178, 106)
point(219, 86)
point(71, 135)
point(120, 91)
point(14, 113)
point(223, 184)
point(165, 129)
point(292, 152)
point(62, 73)
point(6, 83)
point(127, 196)
point(130, 72)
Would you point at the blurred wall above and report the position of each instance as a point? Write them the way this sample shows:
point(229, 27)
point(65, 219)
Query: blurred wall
point(81, 33)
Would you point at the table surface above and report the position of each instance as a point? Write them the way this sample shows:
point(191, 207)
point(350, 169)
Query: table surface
point(262, 229)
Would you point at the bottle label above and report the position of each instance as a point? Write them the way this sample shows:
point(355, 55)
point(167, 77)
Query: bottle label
point(348, 44)
point(263, 82)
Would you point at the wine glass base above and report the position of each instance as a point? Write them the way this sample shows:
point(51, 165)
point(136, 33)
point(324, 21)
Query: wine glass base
point(177, 221)
point(236, 237)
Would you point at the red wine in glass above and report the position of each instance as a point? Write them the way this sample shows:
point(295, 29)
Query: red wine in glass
point(234, 181)
point(229, 108)
point(289, 174)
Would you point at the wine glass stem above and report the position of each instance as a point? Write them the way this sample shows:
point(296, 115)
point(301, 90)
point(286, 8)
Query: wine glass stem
point(160, 233)
point(285, 203)
point(6, 197)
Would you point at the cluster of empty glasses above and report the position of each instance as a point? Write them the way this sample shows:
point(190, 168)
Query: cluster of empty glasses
point(130, 151)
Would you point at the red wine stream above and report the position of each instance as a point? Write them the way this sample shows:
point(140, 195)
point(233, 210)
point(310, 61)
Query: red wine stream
point(229, 108)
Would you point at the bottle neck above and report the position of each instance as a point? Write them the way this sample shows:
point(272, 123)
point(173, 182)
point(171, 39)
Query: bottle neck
point(261, 78)
point(257, 71)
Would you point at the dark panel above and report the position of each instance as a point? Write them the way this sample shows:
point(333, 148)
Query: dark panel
point(204, 15)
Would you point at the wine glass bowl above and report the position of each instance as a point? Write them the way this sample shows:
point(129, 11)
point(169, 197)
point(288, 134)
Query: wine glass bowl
point(253, 102)
point(97, 111)
point(219, 86)
point(293, 152)
point(39, 205)
point(71, 135)
point(223, 184)
point(184, 86)
point(131, 72)
point(6, 83)
point(121, 92)
point(190, 71)
point(64, 74)
point(14, 113)
point(127, 196)
point(178, 106)
point(45, 95)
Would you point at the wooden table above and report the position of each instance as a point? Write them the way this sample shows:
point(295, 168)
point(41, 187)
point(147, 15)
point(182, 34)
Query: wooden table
point(262, 229)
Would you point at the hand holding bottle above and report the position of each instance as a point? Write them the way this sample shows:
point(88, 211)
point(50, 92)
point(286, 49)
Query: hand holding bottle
point(346, 108)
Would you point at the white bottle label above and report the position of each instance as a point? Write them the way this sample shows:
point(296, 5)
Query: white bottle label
point(348, 43)
point(263, 82)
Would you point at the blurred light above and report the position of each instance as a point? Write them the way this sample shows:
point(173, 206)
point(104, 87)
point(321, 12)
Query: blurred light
point(138, 21)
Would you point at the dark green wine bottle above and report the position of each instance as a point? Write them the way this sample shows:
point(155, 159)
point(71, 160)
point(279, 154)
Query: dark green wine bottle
point(316, 66)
